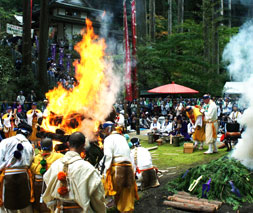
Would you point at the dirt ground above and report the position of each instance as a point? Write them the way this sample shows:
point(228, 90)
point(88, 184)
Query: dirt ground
point(151, 200)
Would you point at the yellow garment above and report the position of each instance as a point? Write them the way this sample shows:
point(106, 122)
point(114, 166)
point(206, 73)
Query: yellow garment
point(125, 198)
point(34, 121)
point(199, 134)
point(9, 131)
point(33, 136)
point(52, 157)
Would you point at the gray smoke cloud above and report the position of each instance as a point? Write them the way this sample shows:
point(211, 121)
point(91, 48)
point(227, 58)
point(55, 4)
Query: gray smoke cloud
point(238, 53)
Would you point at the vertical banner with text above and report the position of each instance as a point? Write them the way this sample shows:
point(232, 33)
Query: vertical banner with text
point(128, 82)
point(134, 59)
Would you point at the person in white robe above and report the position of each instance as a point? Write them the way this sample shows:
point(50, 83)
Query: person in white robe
point(85, 190)
point(118, 171)
point(16, 185)
point(145, 172)
point(211, 124)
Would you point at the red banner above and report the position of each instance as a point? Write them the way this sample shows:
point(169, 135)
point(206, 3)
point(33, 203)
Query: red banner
point(31, 2)
point(134, 62)
point(128, 82)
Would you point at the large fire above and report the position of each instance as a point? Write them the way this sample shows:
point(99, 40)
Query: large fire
point(81, 108)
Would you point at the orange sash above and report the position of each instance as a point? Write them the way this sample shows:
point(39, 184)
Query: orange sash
point(1, 187)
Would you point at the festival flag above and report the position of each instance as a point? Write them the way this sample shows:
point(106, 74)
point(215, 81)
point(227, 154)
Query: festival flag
point(128, 82)
point(134, 59)
point(68, 62)
point(61, 56)
point(31, 12)
point(53, 51)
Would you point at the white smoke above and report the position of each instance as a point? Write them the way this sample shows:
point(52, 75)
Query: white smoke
point(108, 92)
point(239, 54)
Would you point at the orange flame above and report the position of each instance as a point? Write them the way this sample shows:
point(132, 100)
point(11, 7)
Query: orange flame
point(69, 108)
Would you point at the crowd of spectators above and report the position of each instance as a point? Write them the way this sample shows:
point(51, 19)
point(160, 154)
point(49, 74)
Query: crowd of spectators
point(169, 112)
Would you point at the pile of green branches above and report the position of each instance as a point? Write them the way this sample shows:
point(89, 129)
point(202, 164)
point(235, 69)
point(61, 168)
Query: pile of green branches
point(221, 171)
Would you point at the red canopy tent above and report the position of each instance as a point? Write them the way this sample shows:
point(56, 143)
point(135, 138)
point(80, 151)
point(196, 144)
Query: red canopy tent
point(173, 89)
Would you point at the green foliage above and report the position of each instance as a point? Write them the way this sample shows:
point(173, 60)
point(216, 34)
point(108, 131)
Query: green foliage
point(179, 57)
point(7, 75)
point(221, 172)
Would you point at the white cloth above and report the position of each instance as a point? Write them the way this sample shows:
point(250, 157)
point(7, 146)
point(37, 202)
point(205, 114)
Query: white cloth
point(121, 120)
point(155, 126)
point(211, 113)
point(167, 127)
point(116, 150)
point(143, 158)
point(21, 99)
point(38, 113)
point(235, 116)
point(9, 146)
point(84, 181)
point(7, 121)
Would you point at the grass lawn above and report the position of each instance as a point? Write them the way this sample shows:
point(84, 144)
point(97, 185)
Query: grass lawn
point(169, 156)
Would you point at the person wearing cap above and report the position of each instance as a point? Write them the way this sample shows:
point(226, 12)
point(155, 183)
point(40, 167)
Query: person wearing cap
point(10, 121)
point(41, 163)
point(117, 170)
point(198, 128)
point(211, 124)
point(235, 114)
point(33, 116)
point(16, 185)
point(74, 185)
point(145, 172)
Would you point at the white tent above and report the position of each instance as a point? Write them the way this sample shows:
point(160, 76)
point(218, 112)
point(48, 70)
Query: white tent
point(234, 88)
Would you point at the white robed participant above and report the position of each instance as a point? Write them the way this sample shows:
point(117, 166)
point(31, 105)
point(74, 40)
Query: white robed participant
point(74, 185)
point(211, 124)
point(118, 171)
point(145, 172)
point(16, 185)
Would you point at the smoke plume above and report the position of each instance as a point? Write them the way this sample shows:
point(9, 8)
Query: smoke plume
point(238, 53)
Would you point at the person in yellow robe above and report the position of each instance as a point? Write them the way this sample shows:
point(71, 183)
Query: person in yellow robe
point(198, 127)
point(117, 170)
point(9, 123)
point(40, 164)
point(33, 116)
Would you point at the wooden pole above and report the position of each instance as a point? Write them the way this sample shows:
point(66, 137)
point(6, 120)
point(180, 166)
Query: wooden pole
point(188, 206)
point(27, 44)
point(43, 46)
point(170, 17)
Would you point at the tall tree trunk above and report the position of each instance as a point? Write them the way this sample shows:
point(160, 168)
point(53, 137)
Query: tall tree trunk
point(27, 44)
point(229, 12)
point(43, 45)
point(179, 2)
point(180, 16)
point(152, 19)
point(206, 29)
point(215, 35)
point(170, 17)
point(141, 19)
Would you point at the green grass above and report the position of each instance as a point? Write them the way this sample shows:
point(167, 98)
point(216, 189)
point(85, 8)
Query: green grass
point(169, 156)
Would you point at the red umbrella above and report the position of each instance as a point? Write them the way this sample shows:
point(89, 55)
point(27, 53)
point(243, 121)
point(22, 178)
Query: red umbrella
point(173, 89)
